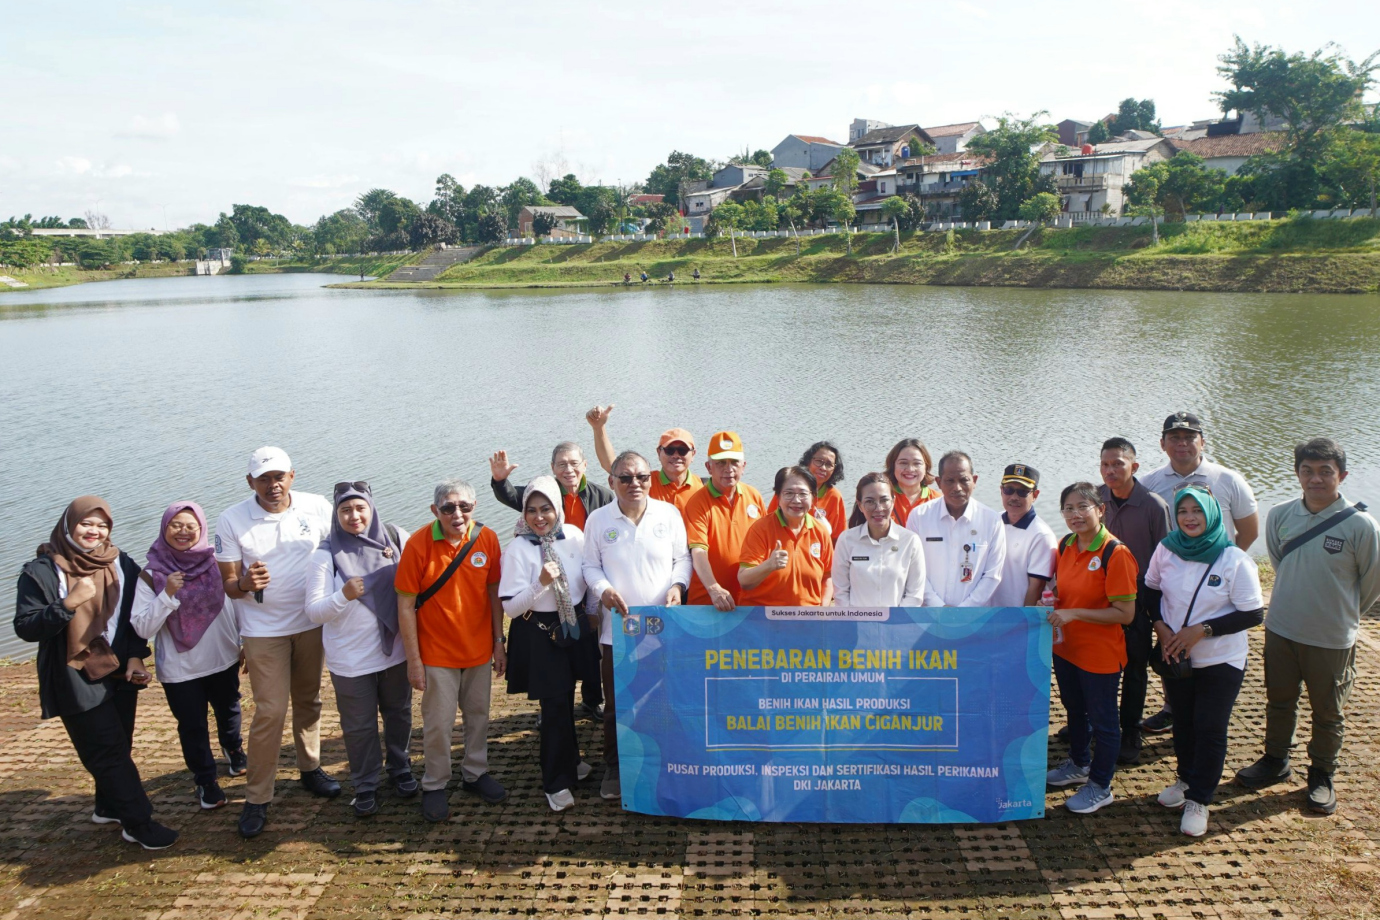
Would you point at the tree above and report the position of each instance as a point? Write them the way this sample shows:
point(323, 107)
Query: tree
point(96, 221)
point(368, 205)
point(776, 183)
point(491, 227)
point(1041, 207)
point(449, 203)
point(1012, 173)
point(1181, 184)
point(727, 216)
point(845, 177)
point(223, 235)
point(666, 178)
point(77, 223)
point(341, 232)
point(1353, 170)
point(1099, 133)
point(1132, 115)
point(893, 209)
point(543, 223)
point(761, 158)
point(396, 215)
point(978, 201)
point(565, 190)
point(428, 230)
point(520, 193)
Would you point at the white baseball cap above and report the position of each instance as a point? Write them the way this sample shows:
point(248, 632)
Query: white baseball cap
point(269, 460)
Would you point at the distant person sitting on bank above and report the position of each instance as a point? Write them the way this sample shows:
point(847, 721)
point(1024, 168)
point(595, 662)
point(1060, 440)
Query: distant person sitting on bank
point(825, 463)
point(1208, 594)
point(877, 562)
point(645, 279)
point(787, 558)
point(717, 519)
point(963, 539)
point(1326, 555)
point(1096, 596)
point(695, 274)
point(674, 482)
point(671, 278)
point(1031, 546)
point(911, 472)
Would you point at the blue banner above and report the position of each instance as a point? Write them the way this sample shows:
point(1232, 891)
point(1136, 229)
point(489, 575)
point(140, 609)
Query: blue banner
point(908, 714)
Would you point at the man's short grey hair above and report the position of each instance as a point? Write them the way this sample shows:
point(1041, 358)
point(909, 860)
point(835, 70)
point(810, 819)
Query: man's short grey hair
point(625, 457)
point(457, 487)
point(953, 456)
point(566, 447)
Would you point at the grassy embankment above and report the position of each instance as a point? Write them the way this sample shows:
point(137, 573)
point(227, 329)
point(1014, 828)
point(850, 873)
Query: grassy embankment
point(63, 275)
point(1323, 256)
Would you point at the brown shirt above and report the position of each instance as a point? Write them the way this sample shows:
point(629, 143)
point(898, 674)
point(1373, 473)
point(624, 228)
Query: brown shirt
point(1141, 521)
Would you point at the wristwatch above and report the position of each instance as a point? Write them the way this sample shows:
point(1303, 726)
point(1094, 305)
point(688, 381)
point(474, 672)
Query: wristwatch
point(1207, 630)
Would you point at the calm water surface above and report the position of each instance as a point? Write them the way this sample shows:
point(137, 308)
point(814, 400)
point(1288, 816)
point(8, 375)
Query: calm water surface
point(149, 391)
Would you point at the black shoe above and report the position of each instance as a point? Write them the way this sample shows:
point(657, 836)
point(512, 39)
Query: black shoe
point(239, 762)
point(252, 820)
point(1322, 798)
point(1063, 734)
point(210, 796)
point(318, 783)
point(435, 806)
point(487, 788)
point(405, 785)
point(1158, 724)
point(593, 713)
point(365, 804)
point(101, 816)
point(1129, 755)
point(150, 836)
point(1264, 772)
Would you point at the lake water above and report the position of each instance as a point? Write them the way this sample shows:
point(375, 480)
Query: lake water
point(149, 391)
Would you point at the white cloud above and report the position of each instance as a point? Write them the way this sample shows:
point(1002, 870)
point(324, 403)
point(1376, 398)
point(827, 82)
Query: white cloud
point(320, 181)
point(78, 165)
point(81, 166)
point(158, 127)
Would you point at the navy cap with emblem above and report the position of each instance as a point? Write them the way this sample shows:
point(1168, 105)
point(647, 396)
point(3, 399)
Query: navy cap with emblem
point(1183, 421)
point(1022, 473)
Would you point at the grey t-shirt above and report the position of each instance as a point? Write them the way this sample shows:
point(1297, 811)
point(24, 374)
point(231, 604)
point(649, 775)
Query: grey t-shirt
point(1227, 486)
point(1323, 587)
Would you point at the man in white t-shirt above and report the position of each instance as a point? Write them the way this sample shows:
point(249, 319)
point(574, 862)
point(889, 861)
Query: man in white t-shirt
point(963, 539)
point(1031, 547)
point(1182, 441)
point(262, 546)
point(635, 556)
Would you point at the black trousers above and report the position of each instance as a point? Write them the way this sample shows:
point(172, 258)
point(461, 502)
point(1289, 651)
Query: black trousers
point(104, 739)
point(560, 748)
point(591, 691)
point(188, 700)
point(1135, 679)
point(1202, 711)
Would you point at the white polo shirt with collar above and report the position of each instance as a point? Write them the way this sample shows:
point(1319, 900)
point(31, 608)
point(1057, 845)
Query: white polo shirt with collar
point(889, 572)
point(963, 556)
point(1229, 487)
point(1231, 583)
point(1031, 552)
point(247, 534)
point(640, 561)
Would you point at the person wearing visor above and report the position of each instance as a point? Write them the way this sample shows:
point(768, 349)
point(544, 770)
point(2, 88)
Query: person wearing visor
point(787, 557)
point(717, 519)
point(262, 547)
point(674, 482)
point(1031, 546)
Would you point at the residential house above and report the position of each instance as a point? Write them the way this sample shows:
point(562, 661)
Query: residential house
point(567, 219)
point(825, 179)
point(938, 179)
point(755, 188)
point(1229, 152)
point(804, 151)
point(861, 126)
point(1073, 133)
point(954, 138)
point(882, 147)
point(872, 193)
point(642, 201)
point(1093, 182)
point(699, 198)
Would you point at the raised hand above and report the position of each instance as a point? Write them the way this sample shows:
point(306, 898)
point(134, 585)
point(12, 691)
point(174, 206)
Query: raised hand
point(499, 467)
point(598, 417)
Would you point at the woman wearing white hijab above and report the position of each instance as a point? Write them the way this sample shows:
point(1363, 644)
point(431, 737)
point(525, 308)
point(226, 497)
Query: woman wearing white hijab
point(543, 582)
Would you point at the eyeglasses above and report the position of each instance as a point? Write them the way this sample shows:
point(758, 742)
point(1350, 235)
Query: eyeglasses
point(628, 479)
point(341, 487)
point(452, 507)
point(675, 450)
point(823, 464)
point(183, 528)
point(795, 496)
point(1081, 508)
point(1014, 490)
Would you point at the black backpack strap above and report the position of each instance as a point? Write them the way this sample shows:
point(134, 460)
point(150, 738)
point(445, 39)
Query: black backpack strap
point(1319, 529)
point(430, 591)
point(394, 536)
point(1107, 550)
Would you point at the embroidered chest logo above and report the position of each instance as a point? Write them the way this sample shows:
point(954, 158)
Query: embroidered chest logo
point(1094, 563)
point(659, 530)
point(479, 560)
point(611, 535)
point(303, 527)
point(1214, 580)
point(1333, 544)
point(814, 550)
point(820, 515)
point(752, 512)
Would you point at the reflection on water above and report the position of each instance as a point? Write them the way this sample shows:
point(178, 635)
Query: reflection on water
point(153, 390)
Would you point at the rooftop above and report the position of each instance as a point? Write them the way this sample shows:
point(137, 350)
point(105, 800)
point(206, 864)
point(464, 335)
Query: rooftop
point(1231, 145)
point(888, 135)
point(560, 210)
point(816, 139)
point(962, 127)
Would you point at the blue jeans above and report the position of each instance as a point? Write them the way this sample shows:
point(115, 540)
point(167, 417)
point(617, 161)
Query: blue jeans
point(1091, 702)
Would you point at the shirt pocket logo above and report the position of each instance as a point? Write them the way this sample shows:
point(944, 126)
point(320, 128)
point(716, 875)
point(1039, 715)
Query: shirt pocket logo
point(752, 511)
point(1094, 563)
point(1214, 580)
point(611, 535)
point(1333, 544)
point(814, 550)
point(478, 560)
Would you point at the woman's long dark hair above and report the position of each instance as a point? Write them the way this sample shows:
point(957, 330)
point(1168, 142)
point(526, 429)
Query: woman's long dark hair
point(838, 463)
point(857, 517)
point(895, 452)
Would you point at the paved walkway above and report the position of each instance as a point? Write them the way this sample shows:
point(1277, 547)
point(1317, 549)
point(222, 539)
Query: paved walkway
point(1261, 859)
point(435, 263)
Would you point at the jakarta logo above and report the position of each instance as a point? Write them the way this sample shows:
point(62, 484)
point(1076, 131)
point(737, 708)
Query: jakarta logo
point(632, 625)
point(1094, 563)
point(611, 535)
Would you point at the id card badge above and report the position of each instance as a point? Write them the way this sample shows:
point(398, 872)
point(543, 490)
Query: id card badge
point(965, 568)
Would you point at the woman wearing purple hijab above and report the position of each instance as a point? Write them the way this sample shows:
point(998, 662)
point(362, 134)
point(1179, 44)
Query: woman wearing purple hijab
point(350, 592)
point(180, 603)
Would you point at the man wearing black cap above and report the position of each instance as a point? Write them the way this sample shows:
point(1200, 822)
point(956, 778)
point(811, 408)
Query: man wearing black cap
point(1182, 441)
point(1030, 544)
point(1140, 519)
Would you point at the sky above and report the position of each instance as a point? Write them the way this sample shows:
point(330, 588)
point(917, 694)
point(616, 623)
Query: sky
point(162, 115)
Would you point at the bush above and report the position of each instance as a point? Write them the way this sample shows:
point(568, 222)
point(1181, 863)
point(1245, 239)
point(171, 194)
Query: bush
point(237, 264)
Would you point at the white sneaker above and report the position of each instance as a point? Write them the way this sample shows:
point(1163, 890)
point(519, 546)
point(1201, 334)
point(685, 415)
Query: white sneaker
point(1194, 822)
point(560, 801)
point(1173, 796)
point(582, 771)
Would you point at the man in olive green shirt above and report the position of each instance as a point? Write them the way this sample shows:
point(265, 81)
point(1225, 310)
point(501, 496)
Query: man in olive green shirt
point(1321, 589)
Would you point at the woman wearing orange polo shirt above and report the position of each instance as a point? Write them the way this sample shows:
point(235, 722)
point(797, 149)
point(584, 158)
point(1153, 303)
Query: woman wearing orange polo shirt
point(908, 467)
point(825, 463)
point(1095, 596)
point(787, 556)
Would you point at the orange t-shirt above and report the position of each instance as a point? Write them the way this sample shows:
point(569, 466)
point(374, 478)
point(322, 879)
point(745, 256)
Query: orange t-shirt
point(801, 582)
point(718, 527)
point(574, 509)
point(663, 489)
point(455, 628)
point(828, 507)
point(901, 506)
point(1099, 648)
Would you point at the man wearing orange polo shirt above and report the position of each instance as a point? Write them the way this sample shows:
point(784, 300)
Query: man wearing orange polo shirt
point(787, 557)
point(452, 630)
point(674, 482)
point(717, 518)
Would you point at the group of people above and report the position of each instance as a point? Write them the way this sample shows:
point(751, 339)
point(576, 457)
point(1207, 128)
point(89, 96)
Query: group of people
point(1153, 574)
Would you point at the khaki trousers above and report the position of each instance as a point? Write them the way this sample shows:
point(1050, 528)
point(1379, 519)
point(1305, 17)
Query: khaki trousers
point(449, 689)
point(1329, 674)
point(282, 668)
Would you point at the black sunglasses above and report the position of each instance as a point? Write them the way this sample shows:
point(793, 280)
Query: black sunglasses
point(341, 487)
point(1014, 490)
point(675, 450)
point(627, 478)
point(450, 507)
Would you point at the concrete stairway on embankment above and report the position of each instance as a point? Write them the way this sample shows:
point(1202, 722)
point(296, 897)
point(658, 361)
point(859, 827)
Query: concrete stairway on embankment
point(434, 264)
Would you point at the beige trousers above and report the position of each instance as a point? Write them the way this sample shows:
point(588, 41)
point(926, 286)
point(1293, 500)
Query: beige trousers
point(449, 689)
point(282, 668)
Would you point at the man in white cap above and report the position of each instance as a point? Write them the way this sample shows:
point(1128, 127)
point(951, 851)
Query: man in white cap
point(262, 547)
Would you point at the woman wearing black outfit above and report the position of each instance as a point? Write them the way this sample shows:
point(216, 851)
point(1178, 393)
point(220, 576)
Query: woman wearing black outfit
point(74, 600)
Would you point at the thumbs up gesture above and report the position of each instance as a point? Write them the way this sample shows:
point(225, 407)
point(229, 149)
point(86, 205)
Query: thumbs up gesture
point(779, 558)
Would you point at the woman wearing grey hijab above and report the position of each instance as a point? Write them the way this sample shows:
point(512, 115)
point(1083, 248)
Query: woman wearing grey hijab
point(350, 592)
